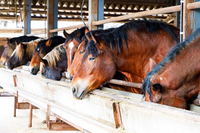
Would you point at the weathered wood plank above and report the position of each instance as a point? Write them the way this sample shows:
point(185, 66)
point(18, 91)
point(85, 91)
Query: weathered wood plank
point(60, 126)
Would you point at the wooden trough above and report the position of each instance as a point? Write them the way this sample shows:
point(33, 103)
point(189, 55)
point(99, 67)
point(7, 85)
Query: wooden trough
point(104, 111)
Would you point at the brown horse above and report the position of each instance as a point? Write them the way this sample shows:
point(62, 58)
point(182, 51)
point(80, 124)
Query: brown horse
point(176, 79)
point(42, 49)
point(75, 39)
point(11, 45)
point(127, 49)
point(22, 54)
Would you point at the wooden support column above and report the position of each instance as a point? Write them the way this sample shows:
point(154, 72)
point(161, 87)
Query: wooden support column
point(187, 30)
point(48, 116)
point(16, 96)
point(52, 16)
point(30, 115)
point(93, 9)
point(15, 104)
point(117, 115)
point(27, 17)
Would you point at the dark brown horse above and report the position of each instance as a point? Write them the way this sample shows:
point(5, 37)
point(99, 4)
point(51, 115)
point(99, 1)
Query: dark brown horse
point(54, 63)
point(127, 49)
point(42, 49)
point(22, 54)
point(11, 45)
point(176, 79)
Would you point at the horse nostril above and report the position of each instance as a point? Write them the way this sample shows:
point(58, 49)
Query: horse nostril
point(74, 90)
point(32, 70)
point(71, 77)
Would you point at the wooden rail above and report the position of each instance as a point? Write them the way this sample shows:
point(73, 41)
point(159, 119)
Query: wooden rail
point(190, 6)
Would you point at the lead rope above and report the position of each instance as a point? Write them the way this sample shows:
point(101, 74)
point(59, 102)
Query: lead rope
point(82, 13)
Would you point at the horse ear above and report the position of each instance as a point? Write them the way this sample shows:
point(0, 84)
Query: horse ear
point(86, 30)
point(157, 87)
point(78, 33)
point(152, 63)
point(48, 43)
point(17, 43)
point(65, 34)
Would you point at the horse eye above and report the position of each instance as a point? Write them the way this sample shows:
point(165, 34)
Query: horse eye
point(91, 58)
point(81, 52)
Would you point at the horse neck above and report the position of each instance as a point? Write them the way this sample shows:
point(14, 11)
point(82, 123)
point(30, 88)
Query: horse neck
point(142, 46)
point(183, 69)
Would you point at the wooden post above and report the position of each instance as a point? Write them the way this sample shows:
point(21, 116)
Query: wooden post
point(27, 17)
point(48, 116)
point(30, 115)
point(16, 96)
point(117, 116)
point(93, 9)
point(187, 30)
point(15, 104)
point(52, 13)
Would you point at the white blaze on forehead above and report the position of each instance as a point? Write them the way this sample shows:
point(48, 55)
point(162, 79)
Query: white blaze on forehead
point(161, 78)
point(71, 45)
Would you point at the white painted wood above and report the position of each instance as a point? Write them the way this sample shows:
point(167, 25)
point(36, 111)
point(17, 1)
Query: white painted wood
point(95, 114)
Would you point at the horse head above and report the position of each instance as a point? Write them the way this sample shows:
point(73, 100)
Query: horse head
point(8, 50)
point(175, 80)
point(18, 57)
point(54, 63)
point(40, 51)
point(95, 68)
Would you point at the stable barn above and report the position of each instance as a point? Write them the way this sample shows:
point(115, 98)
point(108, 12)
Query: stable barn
point(105, 110)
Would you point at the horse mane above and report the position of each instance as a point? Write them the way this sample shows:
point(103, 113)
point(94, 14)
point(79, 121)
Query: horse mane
point(176, 50)
point(56, 40)
point(54, 55)
point(95, 32)
point(117, 37)
point(77, 35)
point(22, 39)
point(19, 51)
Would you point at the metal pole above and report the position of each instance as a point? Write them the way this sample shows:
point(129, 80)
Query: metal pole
point(181, 21)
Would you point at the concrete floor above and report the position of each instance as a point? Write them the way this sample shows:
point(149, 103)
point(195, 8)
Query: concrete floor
point(19, 124)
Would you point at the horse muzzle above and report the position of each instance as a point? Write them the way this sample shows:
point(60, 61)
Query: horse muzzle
point(34, 70)
point(79, 95)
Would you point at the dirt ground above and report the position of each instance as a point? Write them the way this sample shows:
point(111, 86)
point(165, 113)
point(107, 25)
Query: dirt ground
point(19, 124)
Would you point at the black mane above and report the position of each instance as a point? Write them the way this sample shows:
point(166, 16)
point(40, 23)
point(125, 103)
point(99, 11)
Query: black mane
point(22, 39)
point(80, 32)
point(117, 37)
point(95, 32)
point(168, 58)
